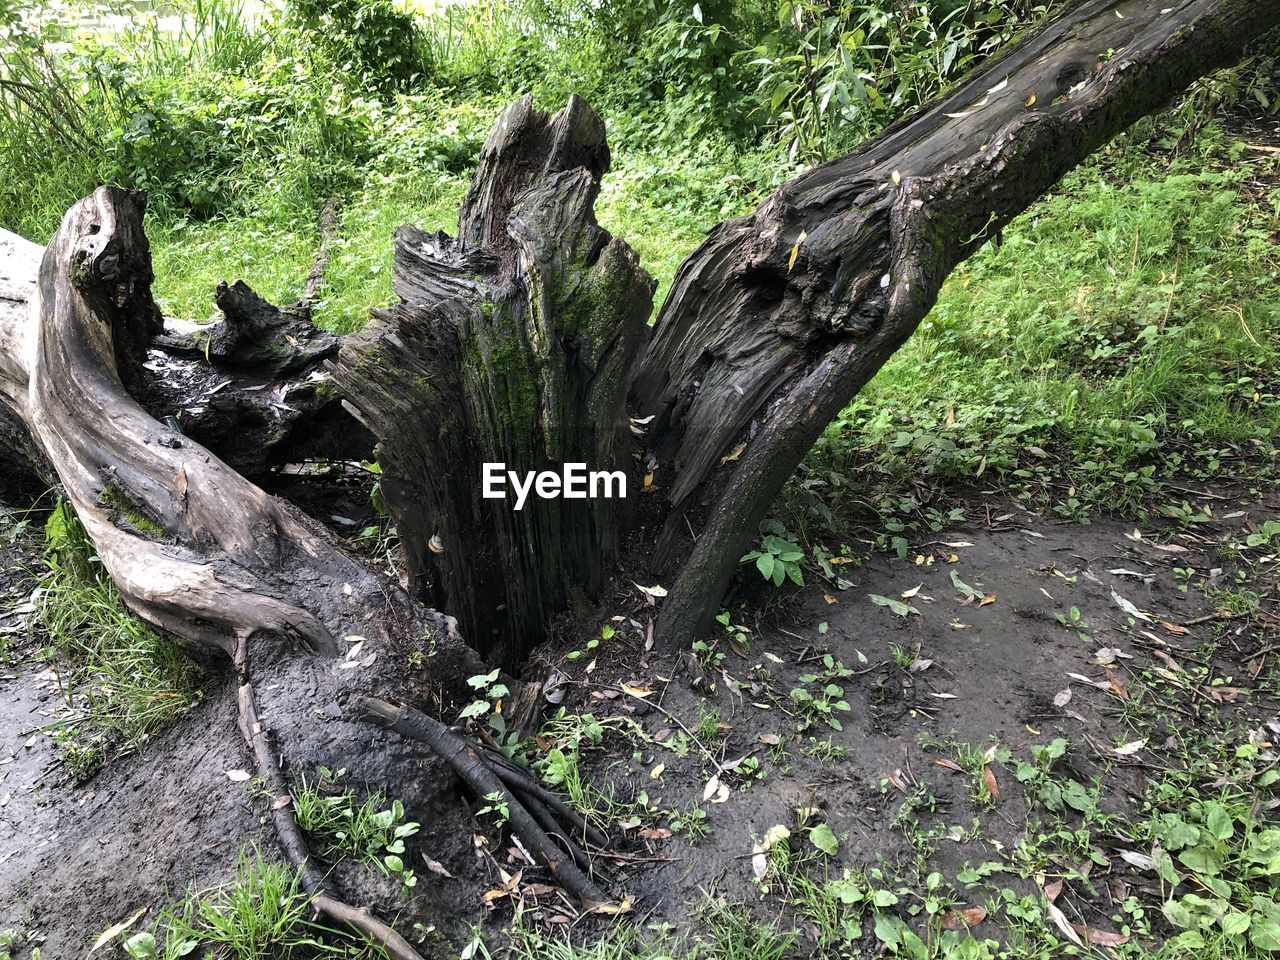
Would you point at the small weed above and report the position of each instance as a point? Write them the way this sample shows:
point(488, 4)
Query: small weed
point(343, 825)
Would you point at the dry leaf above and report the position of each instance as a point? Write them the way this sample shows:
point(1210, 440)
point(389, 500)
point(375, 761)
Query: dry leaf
point(1060, 921)
point(715, 791)
point(733, 454)
point(963, 919)
point(1031, 100)
point(239, 776)
point(1102, 938)
point(1129, 749)
point(654, 591)
point(611, 907)
point(436, 867)
point(795, 251)
point(989, 779)
point(116, 929)
point(1062, 698)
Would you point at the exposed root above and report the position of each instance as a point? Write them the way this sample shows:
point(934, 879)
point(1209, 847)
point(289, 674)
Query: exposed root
point(529, 813)
point(325, 898)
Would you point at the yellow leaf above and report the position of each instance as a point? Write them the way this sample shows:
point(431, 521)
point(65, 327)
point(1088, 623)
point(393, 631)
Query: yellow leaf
point(736, 452)
point(989, 598)
point(795, 251)
point(116, 929)
point(611, 907)
point(829, 598)
point(1031, 100)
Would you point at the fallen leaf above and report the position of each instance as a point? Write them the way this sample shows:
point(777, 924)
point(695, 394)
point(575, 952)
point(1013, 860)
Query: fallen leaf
point(733, 454)
point(436, 867)
point(1140, 860)
point(239, 776)
point(1102, 938)
point(829, 598)
point(1130, 748)
point(964, 918)
point(116, 929)
point(1060, 921)
point(654, 833)
point(715, 791)
point(1031, 100)
point(1100, 684)
point(948, 764)
point(770, 739)
point(611, 907)
point(1129, 608)
point(654, 591)
point(657, 771)
point(795, 251)
point(896, 606)
point(989, 598)
point(1062, 698)
point(1175, 629)
point(989, 779)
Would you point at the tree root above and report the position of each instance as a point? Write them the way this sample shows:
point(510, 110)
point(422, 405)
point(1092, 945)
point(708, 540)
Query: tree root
point(325, 899)
point(530, 813)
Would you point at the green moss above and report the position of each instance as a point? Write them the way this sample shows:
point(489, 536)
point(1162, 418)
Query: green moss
point(132, 512)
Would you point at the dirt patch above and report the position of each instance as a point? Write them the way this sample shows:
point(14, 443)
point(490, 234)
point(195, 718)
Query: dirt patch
point(1020, 631)
point(981, 661)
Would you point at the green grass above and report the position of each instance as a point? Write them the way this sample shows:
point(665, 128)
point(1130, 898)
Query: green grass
point(1123, 334)
point(262, 912)
point(122, 680)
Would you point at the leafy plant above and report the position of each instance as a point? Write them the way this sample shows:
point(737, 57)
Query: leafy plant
point(341, 824)
point(778, 560)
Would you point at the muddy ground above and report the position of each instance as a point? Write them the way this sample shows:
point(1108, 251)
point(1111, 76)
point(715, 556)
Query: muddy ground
point(981, 657)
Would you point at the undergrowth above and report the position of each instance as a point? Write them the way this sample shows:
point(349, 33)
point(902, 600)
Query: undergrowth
point(122, 680)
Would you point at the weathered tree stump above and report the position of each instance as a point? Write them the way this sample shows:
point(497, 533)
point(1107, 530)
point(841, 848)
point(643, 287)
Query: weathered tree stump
point(514, 344)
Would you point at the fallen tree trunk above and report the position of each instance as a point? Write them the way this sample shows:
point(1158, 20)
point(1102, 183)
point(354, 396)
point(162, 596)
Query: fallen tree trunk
point(193, 547)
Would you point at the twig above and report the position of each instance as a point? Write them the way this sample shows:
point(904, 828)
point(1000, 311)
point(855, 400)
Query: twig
point(673, 718)
point(1217, 615)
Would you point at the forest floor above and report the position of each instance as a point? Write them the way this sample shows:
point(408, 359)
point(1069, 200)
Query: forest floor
point(1000, 728)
